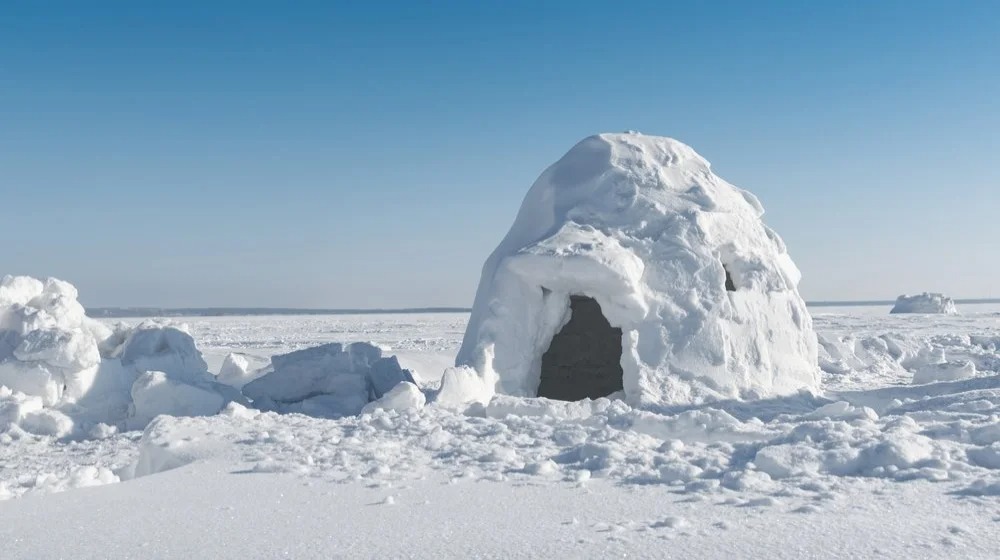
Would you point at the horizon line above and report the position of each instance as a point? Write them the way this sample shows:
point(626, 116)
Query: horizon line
point(150, 311)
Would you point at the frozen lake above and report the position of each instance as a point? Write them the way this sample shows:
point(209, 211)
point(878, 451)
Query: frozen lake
point(877, 466)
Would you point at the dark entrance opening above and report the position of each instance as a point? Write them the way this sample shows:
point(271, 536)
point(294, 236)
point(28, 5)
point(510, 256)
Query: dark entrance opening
point(584, 359)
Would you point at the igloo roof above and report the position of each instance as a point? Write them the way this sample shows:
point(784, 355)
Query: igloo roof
point(641, 224)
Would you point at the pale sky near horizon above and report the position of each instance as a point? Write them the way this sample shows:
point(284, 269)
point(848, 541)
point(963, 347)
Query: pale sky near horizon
point(332, 154)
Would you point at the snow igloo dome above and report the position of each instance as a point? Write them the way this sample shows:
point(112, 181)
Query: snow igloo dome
point(632, 270)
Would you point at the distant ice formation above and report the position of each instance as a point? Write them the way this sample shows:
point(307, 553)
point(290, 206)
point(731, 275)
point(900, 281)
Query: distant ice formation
point(926, 302)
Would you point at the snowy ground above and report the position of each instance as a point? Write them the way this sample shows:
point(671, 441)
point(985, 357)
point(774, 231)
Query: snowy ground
point(877, 466)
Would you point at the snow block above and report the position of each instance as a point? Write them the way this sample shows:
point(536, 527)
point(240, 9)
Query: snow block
point(164, 347)
point(235, 371)
point(945, 371)
point(925, 303)
point(155, 393)
point(335, 378)
point(48, 347)
point(402, 397)
point(679, 261)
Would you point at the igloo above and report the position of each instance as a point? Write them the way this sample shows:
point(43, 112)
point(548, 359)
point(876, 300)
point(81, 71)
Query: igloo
point(632, 270)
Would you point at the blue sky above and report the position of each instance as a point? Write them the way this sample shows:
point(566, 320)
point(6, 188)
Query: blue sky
point(372, 154)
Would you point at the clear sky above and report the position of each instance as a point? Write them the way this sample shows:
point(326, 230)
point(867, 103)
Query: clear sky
point(369, 154)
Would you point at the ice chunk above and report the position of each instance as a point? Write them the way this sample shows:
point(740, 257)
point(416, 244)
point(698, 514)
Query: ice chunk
point(236, 372)
point(946, 371)
point(461, 386)
point(71, 350)
point(343, 377)
point(164, 347)
point(32, 379)
point(156, 393)
point(926, 302)
point(48, 422)
point(14, 406)
point(404, 396)
point(19, 290)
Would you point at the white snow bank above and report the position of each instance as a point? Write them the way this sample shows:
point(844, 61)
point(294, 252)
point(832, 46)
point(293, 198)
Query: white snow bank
point(330, 380)
point(925, 303)
point(643, 226)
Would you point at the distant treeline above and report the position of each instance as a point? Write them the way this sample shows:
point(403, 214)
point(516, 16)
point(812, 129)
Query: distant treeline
point(125, 312)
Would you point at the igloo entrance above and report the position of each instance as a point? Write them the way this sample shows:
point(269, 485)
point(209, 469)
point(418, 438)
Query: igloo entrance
point(584, 359)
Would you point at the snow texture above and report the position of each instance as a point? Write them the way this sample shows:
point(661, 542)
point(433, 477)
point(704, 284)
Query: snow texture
point(925, 303)
point(330, 380)
point(883, 467)
point(642, 225)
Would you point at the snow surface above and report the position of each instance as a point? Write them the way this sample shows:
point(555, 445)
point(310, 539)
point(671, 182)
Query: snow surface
point(877, 466)
point(642, 225)
point(925, 303)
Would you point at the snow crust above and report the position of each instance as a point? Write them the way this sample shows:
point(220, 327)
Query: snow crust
point(925, 303)
point(642, 225)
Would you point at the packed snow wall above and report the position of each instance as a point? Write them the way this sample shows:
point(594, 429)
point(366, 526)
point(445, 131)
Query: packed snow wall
point(703, 291)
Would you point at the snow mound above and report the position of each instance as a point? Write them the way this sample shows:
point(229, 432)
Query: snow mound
point(63, 373)
point(925, 303)
point(330, 380)
point(48, 347)
point(705, 294)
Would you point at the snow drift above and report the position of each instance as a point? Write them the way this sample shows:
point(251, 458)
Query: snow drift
point(925, 303)
point(704, 293)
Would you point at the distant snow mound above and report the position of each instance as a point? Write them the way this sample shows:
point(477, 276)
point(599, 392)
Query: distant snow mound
point(703, 292)
point(63, 373)
point(331, 380)
point(926, 302)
